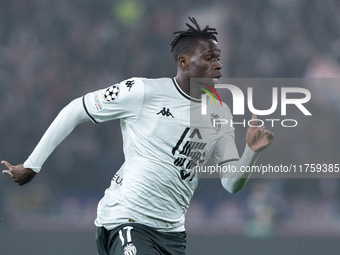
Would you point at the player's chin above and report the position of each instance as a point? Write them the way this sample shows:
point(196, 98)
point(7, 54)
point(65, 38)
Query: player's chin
point(212, 79)
point(216, 76)
point(216, 80)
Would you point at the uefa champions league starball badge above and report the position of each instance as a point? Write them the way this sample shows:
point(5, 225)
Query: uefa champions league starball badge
point(111, 93)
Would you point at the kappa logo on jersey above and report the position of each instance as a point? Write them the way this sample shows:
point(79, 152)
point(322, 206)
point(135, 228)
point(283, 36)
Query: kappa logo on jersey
point(111, 93)
point(165, 112)
point(129, 84)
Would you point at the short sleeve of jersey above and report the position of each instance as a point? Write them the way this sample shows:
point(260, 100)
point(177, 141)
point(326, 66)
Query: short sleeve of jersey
point(120, 101)
point(225, 149)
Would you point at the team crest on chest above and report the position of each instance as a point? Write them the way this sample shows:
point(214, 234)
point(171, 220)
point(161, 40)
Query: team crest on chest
point(112, 93)
point(216, 124)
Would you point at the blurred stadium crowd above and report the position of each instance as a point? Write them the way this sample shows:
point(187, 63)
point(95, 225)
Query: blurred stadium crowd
point(54, 51)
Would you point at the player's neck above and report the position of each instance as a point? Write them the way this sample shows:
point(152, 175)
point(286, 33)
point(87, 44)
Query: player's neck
point(183, 83)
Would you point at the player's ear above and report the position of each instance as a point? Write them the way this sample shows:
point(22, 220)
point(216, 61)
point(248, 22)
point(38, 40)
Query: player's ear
point(183, 62)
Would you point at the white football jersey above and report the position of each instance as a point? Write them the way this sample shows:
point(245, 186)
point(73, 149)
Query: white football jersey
point(163, 141)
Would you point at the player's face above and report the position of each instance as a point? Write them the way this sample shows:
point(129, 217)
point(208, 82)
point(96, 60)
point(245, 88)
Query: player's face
point(205, 62)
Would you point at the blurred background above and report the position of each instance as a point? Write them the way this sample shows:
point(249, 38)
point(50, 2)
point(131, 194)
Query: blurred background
point(54, 51)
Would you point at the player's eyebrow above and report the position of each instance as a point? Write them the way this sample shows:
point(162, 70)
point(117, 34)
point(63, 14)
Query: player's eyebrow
point(213, 52)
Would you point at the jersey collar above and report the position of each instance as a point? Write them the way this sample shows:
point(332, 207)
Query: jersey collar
point(183, 93)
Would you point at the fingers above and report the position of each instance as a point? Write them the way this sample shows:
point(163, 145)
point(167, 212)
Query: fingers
point(269, 135)
point(7, 172)
point(253, 120)
point(9, 166)
point(258, 137)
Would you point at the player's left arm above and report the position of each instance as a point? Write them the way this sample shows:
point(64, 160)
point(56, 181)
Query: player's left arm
point(257, 139)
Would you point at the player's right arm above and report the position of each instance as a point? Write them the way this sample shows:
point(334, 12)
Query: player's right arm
point(119, 101)
point(68, 118)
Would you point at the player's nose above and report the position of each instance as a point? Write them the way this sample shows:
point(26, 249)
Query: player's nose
point(217, 65)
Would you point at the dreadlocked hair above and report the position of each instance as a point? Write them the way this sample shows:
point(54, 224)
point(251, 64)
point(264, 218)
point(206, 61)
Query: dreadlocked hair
point(186, 41)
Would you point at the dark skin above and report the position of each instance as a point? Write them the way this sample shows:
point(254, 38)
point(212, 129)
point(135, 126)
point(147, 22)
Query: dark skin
point(203, 63)
point(19, 174)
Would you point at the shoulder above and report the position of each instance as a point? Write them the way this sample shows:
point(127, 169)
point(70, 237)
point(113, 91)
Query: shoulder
point(141, 81)
point(219, 107)
point(154, 81)
point(156, 85)
point(226, 108)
